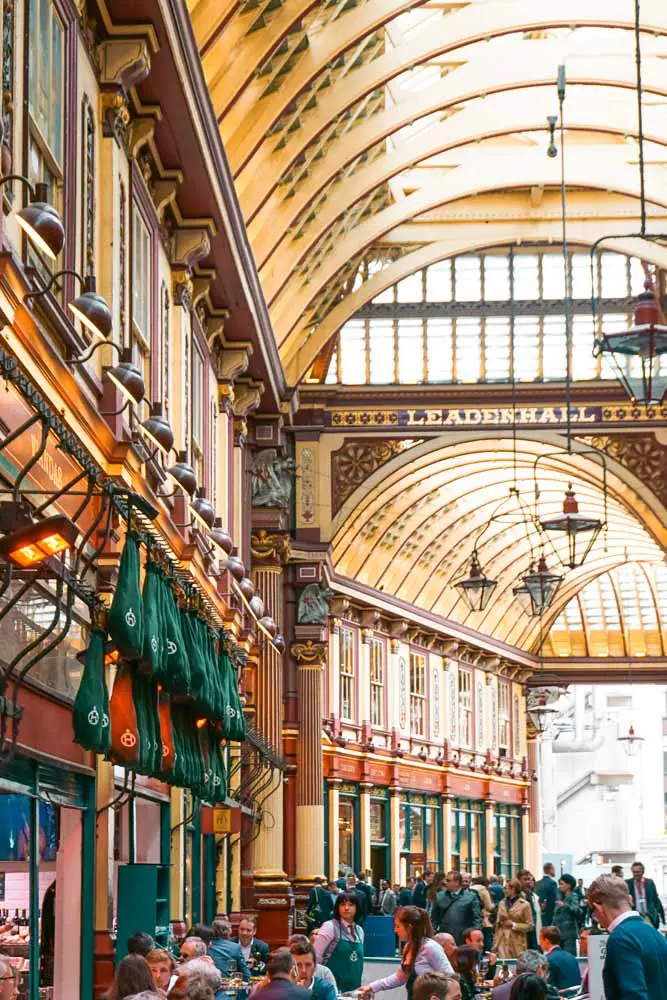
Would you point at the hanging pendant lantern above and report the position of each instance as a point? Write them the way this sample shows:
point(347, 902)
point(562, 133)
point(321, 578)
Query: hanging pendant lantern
point(541, 586)
point(639, 355)
point(631, 743)
point(476, 589)
point(572, 524)
point(522, 595)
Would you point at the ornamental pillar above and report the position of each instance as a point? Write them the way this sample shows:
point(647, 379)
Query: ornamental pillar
point(395, 835)
point(447, 832)
point(310, 653)
point(533, 839)
point(365, 826)
point(272, 891)
point(490, 828)
point(334, 835)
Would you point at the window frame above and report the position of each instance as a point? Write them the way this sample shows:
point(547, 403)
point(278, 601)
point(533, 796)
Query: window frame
point(377, 688)
point(418, 693)
point(466, 711)
point(505, 719)
point(146, 345)
point(347, 678)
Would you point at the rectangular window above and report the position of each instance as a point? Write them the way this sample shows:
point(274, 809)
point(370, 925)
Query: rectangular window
point(468, 835)
point(467, 278)
point(509, 842)
point(410, 350)
point(504, 715)
point(142, 284)
point(554, 355)
point(526, 276)
point(439, 350)
point(381, 349)
point(497, 349)
point(584, 365)
point(526, 347)
point(468, 350)
point(346, 833)
point(439, 282)
point(197, 413)
point(465, 707)
point(410, 289)
point(353, 353)
point(496, 278)
point(347, 675)
point(377, 683)
point(553, 276)
point(417, 694)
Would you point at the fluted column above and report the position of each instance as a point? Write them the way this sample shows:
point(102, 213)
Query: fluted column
point(395, 835)
point(310, 655)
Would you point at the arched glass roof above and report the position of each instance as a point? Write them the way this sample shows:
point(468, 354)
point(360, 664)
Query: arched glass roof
point(404, 132)
point(621, 613)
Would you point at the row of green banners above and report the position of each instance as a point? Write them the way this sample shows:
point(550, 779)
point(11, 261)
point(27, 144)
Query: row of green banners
point(175, 695)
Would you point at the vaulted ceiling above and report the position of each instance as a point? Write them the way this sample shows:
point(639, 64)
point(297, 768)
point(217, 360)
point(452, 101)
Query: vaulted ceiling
point(405, 131)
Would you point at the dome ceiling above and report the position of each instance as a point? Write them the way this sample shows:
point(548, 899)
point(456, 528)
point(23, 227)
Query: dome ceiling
point(407, 132)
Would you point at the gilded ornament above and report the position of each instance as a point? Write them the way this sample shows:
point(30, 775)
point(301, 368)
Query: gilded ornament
point(309, 652)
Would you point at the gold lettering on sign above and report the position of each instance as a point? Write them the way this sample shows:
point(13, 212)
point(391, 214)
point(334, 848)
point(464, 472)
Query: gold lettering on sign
point(48, 463)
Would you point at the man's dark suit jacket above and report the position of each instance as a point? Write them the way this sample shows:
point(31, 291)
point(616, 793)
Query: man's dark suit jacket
point(653, 901)
point(563, 969)
point(635, 967)
point(547, 893)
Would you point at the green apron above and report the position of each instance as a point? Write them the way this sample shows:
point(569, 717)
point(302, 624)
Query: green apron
point(346, 961)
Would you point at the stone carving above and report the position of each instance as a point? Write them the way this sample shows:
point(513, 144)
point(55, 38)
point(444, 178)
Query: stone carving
point(356, 460)
point(272, 476)
point(309, 652)
point(313, 606)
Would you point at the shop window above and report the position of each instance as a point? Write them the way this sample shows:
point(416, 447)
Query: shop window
point(142, 286)
point(504, 715)
point(377, 682)
point(468, 835)
point(46, 104)
point(378, 821)
point(347, 675)
point(417, 694)
point(508, 840)
point(346, 832)
point(465, 707)
point(419, 818)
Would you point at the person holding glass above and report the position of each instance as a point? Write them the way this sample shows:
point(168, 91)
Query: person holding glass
point(226, 954)
point(420, 952)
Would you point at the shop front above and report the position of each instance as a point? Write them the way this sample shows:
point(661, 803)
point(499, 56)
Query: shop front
point(468, 836)
point(508, 850)
point(420, 831)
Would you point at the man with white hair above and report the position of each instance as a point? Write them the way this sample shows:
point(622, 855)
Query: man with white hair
point(636, 964)
point(205, 971)
point(528, 961)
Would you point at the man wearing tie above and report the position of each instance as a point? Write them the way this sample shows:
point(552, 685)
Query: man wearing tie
point(644, 896)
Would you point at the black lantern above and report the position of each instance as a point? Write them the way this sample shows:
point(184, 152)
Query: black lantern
point(541, 586)
point(636, 354)
point(476, 589)
point(572, 524)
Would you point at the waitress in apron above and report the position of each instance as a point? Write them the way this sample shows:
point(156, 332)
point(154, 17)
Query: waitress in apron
point(340, 943)
point(420, 952)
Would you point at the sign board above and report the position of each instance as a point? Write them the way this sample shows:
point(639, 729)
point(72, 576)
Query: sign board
point(597, 952)
point(220, 820)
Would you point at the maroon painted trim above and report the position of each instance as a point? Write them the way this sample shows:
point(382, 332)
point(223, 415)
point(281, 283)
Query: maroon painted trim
point(198, 344)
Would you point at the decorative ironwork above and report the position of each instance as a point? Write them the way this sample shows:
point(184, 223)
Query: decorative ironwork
point(88, 199)
point(357, 459)
point(641, 454)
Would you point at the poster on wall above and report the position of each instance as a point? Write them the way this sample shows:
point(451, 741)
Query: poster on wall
point(15, 829)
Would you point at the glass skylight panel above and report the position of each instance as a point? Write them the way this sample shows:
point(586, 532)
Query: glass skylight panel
point(581, 275)
point(467, 278)
point(526, 347)
point(553, 276)
point(526, 276)
point(497, 348)
point(609, 605)
point(554, 353)
point(332, 373)
point(590, 599)
point(353, 352)
point(637, 276)
point(410, 351)
point(439, 282)
point(584, 365)
point(613, 276)
point(411, 289)
point(496, 278)
point(439, 350)
point(381, 348)
point(468, 344)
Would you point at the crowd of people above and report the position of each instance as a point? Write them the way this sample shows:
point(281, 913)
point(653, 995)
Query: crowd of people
point(455, 937)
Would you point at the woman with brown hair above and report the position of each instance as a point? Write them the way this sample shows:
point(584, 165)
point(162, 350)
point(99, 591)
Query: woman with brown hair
point(515, 920)
point(133, 975)
point(420, 952)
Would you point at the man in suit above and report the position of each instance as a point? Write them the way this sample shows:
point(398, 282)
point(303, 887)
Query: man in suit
point(419, 893)
point(363, 902)
point(255, 952)
point(363, 886)
point(527, 891)
point(320, 904)
point(635, 967)
point(405, 894)
point(563, 967)
point(341, 881)
point(644, 896)
point(547, 893)
point(386, 899)
point(456, 908)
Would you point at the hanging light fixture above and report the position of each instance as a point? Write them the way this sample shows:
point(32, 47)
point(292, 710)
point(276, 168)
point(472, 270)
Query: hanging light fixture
point(631, 743)
point(541, 714)
point(637, 354)
point(572, 525)
point(476, 589)
point(542, 586)
point(543, 689)
point(522, 595)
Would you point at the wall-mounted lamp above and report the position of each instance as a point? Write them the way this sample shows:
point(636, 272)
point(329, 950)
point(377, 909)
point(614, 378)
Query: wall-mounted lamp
point(183, 474)
point(202, 509)
point(127, 377)
point(158, 430)
point(89, 307)
point(39, 220)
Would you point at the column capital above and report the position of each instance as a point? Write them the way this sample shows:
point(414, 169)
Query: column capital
point(269, 546)
point(309, 654)
point(336, 625)
point(394, 645)
point(367, 635)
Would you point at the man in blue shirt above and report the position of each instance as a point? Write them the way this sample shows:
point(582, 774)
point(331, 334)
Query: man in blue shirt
point(635, 966)
point(563, 967)
point(306, 963)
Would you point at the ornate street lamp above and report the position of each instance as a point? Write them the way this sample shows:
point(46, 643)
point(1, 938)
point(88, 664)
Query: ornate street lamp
point(631, 743)
point(579, 530)
point(637, 354)
point(542, 586)
point(476, 589)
